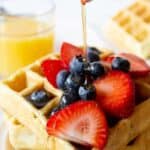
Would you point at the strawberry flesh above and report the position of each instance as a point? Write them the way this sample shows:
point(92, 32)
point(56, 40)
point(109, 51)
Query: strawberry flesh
point(82, 122)
point(115, 94)
point(68, 51)
point(51, 68)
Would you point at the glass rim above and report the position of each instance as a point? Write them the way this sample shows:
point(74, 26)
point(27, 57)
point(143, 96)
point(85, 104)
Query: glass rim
point(5, 12)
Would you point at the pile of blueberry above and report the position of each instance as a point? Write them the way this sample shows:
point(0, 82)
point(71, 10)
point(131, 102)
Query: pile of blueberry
point(77, 82)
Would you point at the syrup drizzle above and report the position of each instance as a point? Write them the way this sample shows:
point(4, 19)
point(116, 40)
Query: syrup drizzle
point(83, 11)
point(84, 28)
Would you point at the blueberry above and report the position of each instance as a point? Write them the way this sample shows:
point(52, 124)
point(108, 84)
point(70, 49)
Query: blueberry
point(77, 65)
point(73, 81)
point(39, 98)
point(122, 64)
point(97, 69)
point(87, 92)
point(94, 49)
point(54, 110)
point(61, 78)
point(67, 99)
point(93, 54)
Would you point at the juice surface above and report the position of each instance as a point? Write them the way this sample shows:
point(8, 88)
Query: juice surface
point(22, 41)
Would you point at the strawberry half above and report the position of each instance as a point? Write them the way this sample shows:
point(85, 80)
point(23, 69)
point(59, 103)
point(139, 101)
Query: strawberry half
point(82, 122)
point(115, 94)
point(139, 67)
point(51, 68)
point(68, 51)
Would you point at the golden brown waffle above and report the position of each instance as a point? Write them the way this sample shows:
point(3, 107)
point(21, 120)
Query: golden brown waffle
point(31, 122)
point(129, 29)
point(14, 91)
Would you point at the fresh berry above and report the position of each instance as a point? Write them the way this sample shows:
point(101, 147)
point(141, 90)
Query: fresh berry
point(82, 122)
point(68, 51)
point(139, 67)
point(119, 63)
point(54, 110)
point(51, 68)
point(73, 81)
point(39, 98)
point(87, 92)
point(61, 78)
point(97, 69)
point(78, 65)
point(115, 94)
point(93, 54)
point(68, 98)
point(109, 59)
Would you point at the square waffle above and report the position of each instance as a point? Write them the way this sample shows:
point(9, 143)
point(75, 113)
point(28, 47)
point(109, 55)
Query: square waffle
point(30, 122)
point(129, 29)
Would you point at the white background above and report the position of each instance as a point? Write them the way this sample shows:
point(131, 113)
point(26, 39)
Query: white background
point(68, 19)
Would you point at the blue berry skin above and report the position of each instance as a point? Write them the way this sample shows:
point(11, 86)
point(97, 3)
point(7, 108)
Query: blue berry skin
point(122, 64)
point(87, 92)
point(61, 78)
point(77, 65)
point(54, 110)
point(93, 54)
point(73, 81)
point(39, 98)
point(67, 99)
point(97, 69)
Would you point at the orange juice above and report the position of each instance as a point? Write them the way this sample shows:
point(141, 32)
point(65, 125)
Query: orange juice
point(22, 41)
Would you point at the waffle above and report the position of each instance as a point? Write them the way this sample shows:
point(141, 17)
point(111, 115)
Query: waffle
point(21, 137)
point(30, 122)
point(129, 29)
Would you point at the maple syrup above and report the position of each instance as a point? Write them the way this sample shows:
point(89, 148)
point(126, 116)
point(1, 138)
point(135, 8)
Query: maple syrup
point(84, 28)
point(83, 11)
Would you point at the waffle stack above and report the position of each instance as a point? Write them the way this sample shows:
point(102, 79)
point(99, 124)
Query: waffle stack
point(129, 29)
point(27, 123)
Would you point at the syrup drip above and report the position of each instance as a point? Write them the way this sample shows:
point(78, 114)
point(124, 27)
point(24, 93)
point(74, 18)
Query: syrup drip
point(84, 28)
point(83, 8)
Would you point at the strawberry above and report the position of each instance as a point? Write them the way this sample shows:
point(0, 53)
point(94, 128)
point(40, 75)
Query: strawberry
point(68, 51)
point(138, 66)
point(51, 68)
point(82, 122)
point(115, 94)
point(109, 59)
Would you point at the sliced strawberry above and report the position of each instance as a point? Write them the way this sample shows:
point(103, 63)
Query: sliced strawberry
point(68, 51)
point(115, 94)
point(82, 122)
point(109, 59)
point(51, 68)
point(139, 67)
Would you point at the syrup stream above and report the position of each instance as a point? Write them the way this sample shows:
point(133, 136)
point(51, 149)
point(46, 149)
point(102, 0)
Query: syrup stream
point(83, 11)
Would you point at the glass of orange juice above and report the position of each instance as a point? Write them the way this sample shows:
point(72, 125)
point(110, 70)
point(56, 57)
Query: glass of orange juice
point(26, 32)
